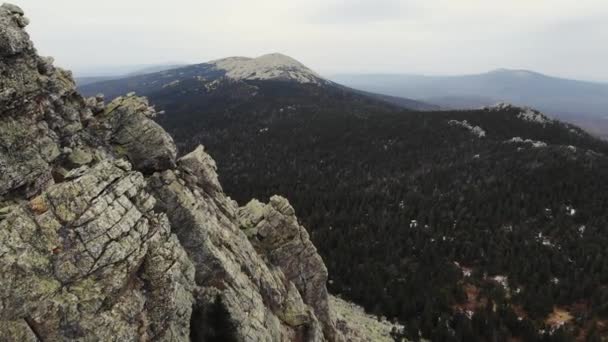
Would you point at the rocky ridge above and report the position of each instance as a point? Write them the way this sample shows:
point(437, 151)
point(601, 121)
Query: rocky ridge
point(106, 235)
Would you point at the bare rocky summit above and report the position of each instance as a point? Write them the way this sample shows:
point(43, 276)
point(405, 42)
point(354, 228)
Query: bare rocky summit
point(273, 66)
point(106, 235)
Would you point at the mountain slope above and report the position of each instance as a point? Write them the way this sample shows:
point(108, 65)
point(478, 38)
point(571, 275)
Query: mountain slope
point(486, 224)
point(401, 102)
point(191, 82)
point(567, 99)
point(397, 200)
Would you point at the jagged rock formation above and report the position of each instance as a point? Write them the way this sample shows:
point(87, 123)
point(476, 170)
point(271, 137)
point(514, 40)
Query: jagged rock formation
point(258, 295)
point(104, 235)
point(275, 233)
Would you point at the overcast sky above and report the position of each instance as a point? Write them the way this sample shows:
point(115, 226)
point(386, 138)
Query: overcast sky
point(559, 37)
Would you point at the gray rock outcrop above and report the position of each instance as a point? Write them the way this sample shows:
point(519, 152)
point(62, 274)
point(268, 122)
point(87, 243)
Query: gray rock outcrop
point(276, 234)
point(258, 296)
point(71, 256)
point(142, 141)
point(106, 235)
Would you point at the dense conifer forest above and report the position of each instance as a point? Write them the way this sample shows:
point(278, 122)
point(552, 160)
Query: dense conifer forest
point(484, 225)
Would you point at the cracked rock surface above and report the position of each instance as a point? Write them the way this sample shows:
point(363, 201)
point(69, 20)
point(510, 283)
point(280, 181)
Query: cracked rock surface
point(106, 236)
point(70, 257)
point(276, 234)
point(267, 305)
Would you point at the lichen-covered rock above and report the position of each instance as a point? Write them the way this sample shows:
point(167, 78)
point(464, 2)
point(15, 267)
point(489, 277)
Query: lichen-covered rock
point(96, 104)
point(200, 169)
point(13, 9)
point(266, 305)
point(69, 258)
point(82, 254)
point(147, 146)
point(80, 156)
point(168, 277)
point(276, 234)
point(16, 331)
point(39, 111)
point(13, 39)
point(27, 168)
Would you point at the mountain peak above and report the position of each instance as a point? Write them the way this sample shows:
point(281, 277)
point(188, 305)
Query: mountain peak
point(274, 66)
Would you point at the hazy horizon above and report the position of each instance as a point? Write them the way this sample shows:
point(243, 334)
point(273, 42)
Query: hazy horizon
point(429, 37)
point(124, 70)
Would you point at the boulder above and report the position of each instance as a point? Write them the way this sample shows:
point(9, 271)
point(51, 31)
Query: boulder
point(13, 39)
point(13, 9)
point(135, 136)
point(200, 169)
point(80, 156)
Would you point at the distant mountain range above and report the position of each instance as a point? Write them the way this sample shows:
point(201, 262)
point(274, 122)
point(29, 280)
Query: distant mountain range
point(580, 102)
point(105, 74)
point(271, 67)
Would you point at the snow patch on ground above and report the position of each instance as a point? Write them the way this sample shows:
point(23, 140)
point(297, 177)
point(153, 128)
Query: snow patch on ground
point(581, 230)
point(268, 67)
point(570, 210)
point(545, 241)
point(476, 130)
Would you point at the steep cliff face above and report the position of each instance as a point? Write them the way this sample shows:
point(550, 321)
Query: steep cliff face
point(105, 235)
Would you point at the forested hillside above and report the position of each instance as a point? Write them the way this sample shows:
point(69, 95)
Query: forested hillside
point(403, 205)
point(463, 225)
